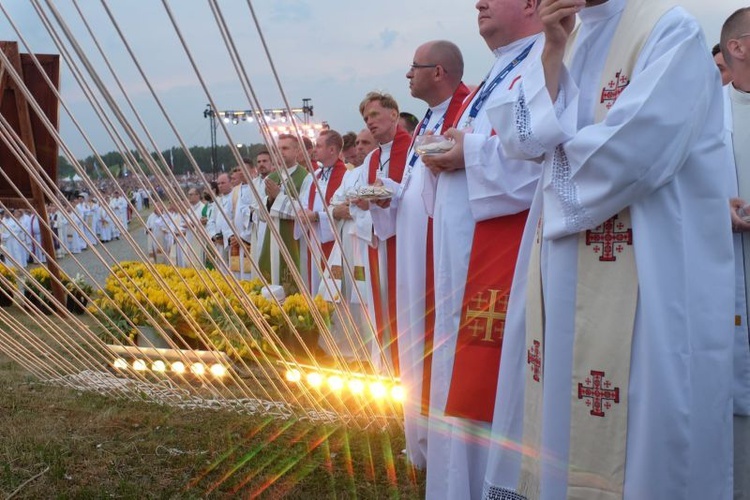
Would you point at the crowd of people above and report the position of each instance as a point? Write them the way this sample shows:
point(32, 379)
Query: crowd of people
point(77, 225)
point(556, 291)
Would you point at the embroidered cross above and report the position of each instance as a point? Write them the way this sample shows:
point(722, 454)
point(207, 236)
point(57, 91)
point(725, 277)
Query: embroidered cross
point(609, 238)
point(614, 88)
point(598, 393)
point(490, 309)
point(534, 358)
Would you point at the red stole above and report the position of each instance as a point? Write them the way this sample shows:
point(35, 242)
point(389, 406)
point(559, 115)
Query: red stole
point(387, 318)
point(334, 181)
point(451, 114)
point(476, 365)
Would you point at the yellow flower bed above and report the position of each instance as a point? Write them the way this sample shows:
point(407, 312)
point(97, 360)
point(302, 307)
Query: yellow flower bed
point(199, 304)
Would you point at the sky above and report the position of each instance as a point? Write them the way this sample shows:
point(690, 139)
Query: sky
point(330, 51)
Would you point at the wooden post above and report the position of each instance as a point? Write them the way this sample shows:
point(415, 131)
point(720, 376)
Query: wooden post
point(30, 136)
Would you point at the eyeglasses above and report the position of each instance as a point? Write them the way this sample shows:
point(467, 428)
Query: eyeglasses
point(420, 66)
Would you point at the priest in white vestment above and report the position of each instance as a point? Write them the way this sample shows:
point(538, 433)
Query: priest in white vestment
point(258, 222)
point(314, 218)
point(12, 236)
point(380, 113)
point(157, 243)
point(119, 206)
point(737, 120)
point(218, 220)
point(475, 184)
point(282, 189)
point(343, 281)
point(196, 234)
point(435, 77)
point(629, 129)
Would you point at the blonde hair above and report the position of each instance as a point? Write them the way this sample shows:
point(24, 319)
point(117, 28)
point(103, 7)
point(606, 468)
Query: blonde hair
point(385, 100)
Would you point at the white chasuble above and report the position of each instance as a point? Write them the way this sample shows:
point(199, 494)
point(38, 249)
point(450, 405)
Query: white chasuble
point(665, 162)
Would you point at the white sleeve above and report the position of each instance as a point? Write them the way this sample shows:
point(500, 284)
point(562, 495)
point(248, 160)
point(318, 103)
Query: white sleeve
point(595, 172)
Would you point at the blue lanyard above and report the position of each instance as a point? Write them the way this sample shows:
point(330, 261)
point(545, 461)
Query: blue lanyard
point(437, 126)
point(487, 91)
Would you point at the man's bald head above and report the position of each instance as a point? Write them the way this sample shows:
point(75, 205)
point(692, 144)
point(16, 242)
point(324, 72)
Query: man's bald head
point(448, 55)
point(436, 71)
point(224, 184)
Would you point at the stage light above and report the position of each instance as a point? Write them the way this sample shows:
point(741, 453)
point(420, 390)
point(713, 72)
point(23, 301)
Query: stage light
point(335, 382)
point(218, 370)
point(178, 367)
point(357, 386)
point(139, 365)
point(198, 369)
point(293, 375)
point(377, 390)
point(159, 366)
point(398, 393)
point(226, 119)
point(314, 379)
point(120, 364)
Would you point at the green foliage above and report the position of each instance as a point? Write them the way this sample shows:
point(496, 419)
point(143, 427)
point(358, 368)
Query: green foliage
point(114, 160)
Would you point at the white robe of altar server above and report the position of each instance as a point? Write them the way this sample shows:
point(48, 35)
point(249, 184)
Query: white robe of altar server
point(12, 237)
point(489, 187)
point(157, 243)
point(354, 338)
point(119, 206)
point(257, 219)
point(216, 222)
point(25, 222)
point(659, 151)
point(406, 217)
point(322, 231)
point(60, 224)
point(365, 232)
point(240, 201)
point(196, 237)
point(105, 225)
point(175, 234)
point(37, 251)
point(737, 120)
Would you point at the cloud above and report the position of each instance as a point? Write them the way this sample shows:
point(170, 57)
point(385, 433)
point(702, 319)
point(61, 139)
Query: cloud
point(291, 11)
point(388, 37)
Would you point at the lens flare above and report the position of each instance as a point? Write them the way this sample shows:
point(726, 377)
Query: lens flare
point(293, 375)
point(335, 382)
point(218, 370)
point(356, 386)
point(314, 379)
point(398, 393)
point(378, 390)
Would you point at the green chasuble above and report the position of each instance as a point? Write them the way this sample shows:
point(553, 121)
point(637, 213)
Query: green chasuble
point(270, 254)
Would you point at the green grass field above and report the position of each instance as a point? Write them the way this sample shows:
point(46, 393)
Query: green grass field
point(57, 442)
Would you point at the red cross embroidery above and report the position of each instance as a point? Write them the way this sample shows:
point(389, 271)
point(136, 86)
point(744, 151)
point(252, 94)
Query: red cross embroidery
point(614, 88)
point(534, 358)
point(598, 393)
point(609, 238)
